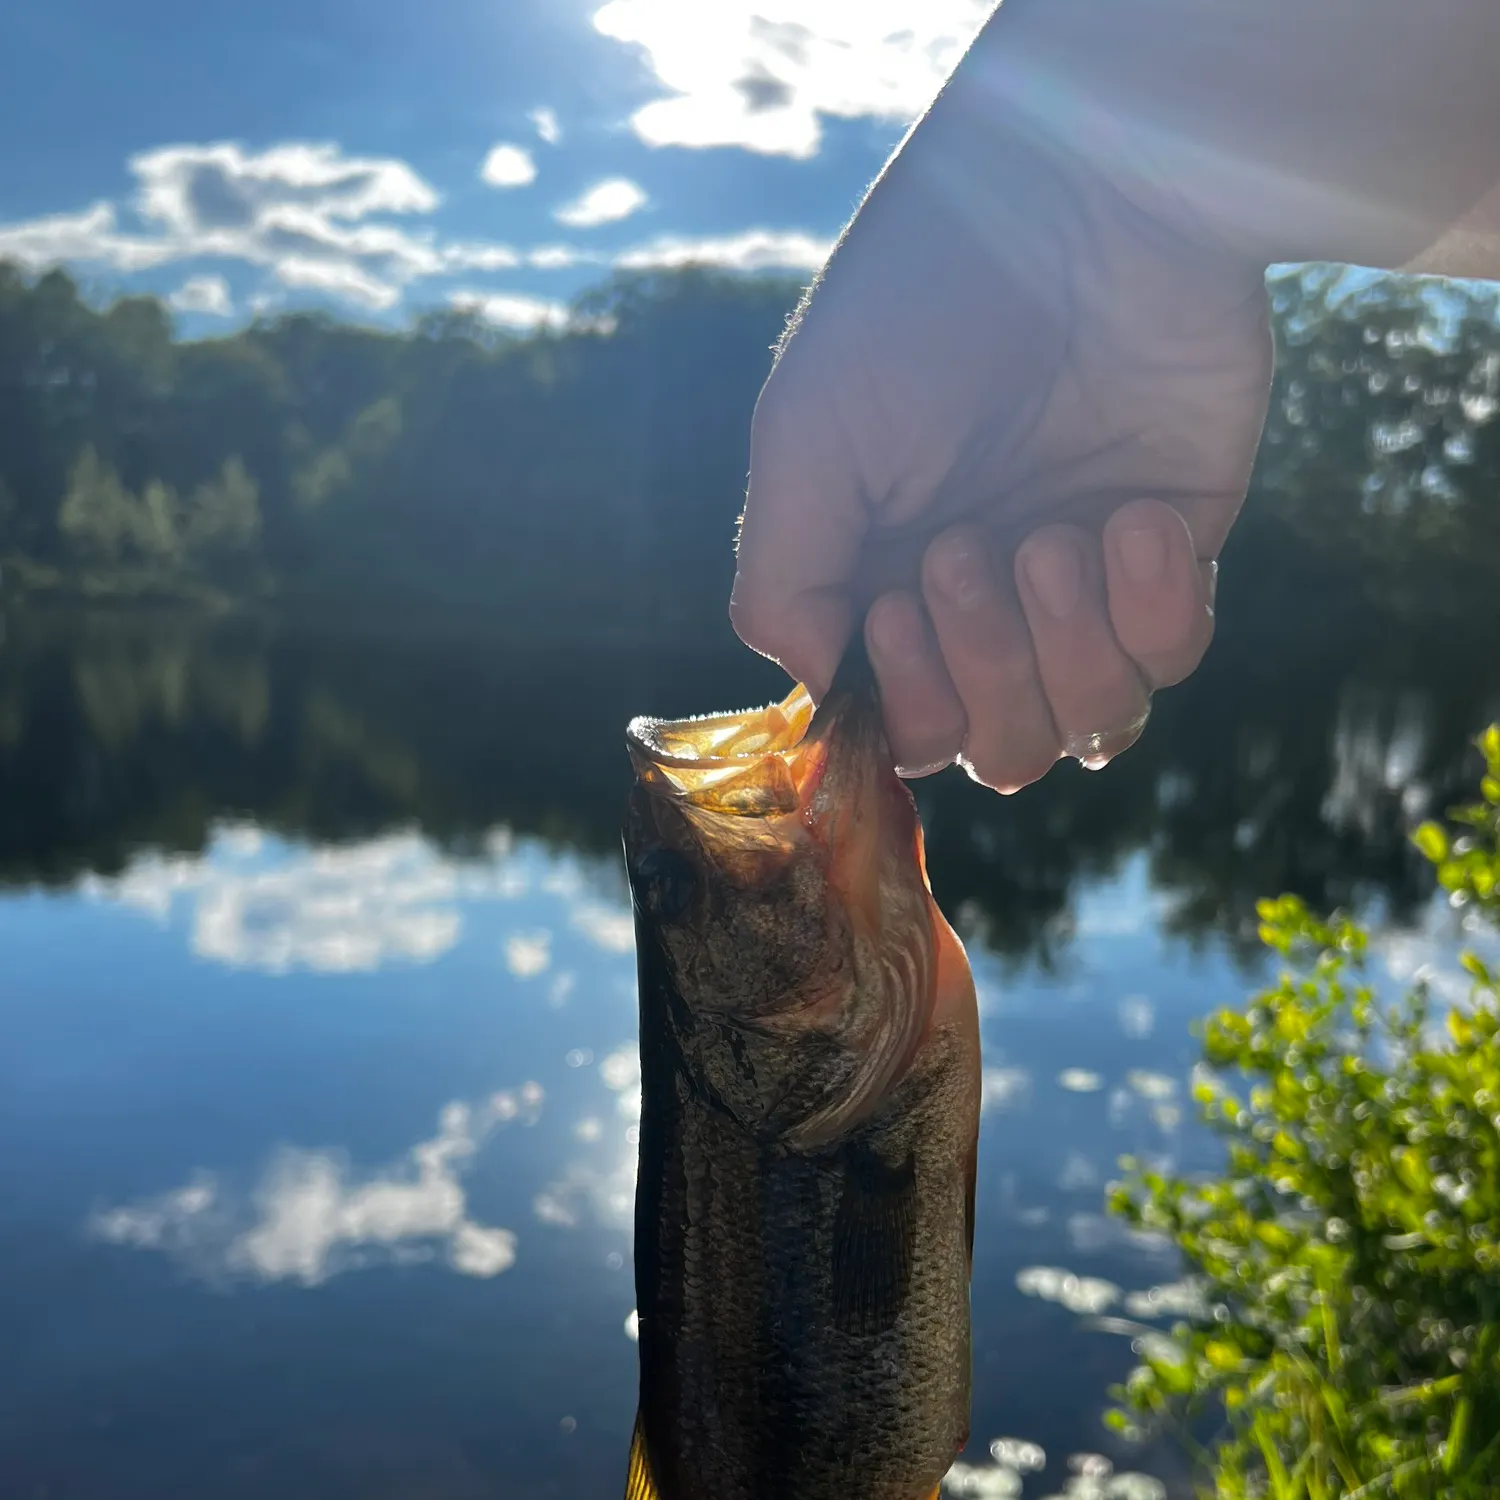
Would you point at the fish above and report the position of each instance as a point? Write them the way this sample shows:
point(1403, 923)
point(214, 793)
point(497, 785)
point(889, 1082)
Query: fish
point(810, 1089)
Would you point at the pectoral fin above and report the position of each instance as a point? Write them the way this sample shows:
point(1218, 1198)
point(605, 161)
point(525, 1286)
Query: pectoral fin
point(639, 1485)
point(874, 1236)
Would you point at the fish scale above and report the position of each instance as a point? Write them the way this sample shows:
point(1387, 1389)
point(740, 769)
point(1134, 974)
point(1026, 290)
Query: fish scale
point(810, 1094)
point(740, 1357)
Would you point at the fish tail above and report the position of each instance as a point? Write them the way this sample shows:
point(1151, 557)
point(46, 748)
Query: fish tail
point(639, 1485)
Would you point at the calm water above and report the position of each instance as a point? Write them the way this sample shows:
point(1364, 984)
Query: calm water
point(317, 1051)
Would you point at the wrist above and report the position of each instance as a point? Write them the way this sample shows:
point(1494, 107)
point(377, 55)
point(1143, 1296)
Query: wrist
point(1353, 130)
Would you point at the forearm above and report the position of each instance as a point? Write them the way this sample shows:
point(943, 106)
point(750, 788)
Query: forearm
point(1365, 131)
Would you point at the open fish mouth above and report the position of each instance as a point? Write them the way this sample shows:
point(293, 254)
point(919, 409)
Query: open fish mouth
point(750, 764)
point(764, 761)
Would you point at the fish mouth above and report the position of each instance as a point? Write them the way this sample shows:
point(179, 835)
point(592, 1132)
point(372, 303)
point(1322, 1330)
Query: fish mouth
point(770, 761)
point(760, 789)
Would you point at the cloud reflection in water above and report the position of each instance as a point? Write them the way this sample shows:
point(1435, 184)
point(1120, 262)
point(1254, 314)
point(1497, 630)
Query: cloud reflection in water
point(256, 904)
point(601, 1189)
point(312, 1218)
point(1091, 1476)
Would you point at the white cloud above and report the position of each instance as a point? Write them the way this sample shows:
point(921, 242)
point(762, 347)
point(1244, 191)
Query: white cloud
point(203, 294)
point(586, 1193)
point(477, 1251)
point(982, 1482)
point(745, 250)
point(1079, 1294)
point(1004, 1088)
point(621, 1070)
point(511, 309)
point(589, 1190)
point(760, 74)
point(528, 954)
point(91, 237)
point(1175, 1299)
point(749, 250)
point(606, 927)
point(605, 203)
point(353, 229)
point(1137, 1017)
point(1079, 1081)
point(343, 279)
point(313, 1219)
point(479, 256)
point(560, 257)
point(1018, 1454)
point(344, 909)
point(192, 187)
point(508, 166)
point(547, 127)
point(1148, 1085)
point(311, 216)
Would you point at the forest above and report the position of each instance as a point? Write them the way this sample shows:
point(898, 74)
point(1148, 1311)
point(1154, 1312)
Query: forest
point(584, 483)
point(556, 483)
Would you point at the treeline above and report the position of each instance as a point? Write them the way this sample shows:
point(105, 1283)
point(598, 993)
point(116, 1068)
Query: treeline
point(585, 482)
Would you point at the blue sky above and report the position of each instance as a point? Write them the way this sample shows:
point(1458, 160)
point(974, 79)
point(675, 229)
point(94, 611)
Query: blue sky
point(241, 159)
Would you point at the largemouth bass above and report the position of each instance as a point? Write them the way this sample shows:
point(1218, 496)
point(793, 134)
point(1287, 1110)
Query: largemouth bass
point(810, 1110)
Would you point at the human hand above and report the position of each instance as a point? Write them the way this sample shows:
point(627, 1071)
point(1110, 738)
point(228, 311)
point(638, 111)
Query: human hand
point(1008, 436)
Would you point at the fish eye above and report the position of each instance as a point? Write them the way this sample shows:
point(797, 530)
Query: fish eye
point(665, 883)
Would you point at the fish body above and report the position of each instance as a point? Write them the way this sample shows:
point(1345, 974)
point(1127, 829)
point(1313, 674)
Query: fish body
point(810, 1094)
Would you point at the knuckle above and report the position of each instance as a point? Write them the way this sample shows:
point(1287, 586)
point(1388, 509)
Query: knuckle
point(1008, 764)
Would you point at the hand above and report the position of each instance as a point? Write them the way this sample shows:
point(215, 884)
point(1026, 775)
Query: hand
point(1011, 431)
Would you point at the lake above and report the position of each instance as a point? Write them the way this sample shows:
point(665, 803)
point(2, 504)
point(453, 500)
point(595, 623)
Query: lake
point(317, 1032)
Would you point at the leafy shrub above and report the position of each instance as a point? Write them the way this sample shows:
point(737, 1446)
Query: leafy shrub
point(1349, 1254)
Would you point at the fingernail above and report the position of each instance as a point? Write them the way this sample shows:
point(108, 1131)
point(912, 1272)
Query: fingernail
point(1055, 573)
point(896, 632)
point(960, 571)
point(1143, 554)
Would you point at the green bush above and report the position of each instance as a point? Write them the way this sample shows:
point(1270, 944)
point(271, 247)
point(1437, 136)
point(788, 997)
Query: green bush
point(1349, 1254)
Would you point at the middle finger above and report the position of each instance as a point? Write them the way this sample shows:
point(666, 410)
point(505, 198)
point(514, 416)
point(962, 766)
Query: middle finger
point(1011, 739)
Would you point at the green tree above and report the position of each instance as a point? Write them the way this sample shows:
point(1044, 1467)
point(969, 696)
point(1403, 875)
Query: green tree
point(223, 515)
point(97, 517)
point(156, 516)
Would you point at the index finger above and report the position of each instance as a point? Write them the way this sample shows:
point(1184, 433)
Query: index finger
point(799, 542)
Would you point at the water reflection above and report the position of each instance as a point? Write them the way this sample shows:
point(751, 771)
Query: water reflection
point(252, 901)
point(1091, 1476)
point(312, 1217)
point(601, 1188)
point(256, 903)
point(1319, 728)
point(347, 917)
